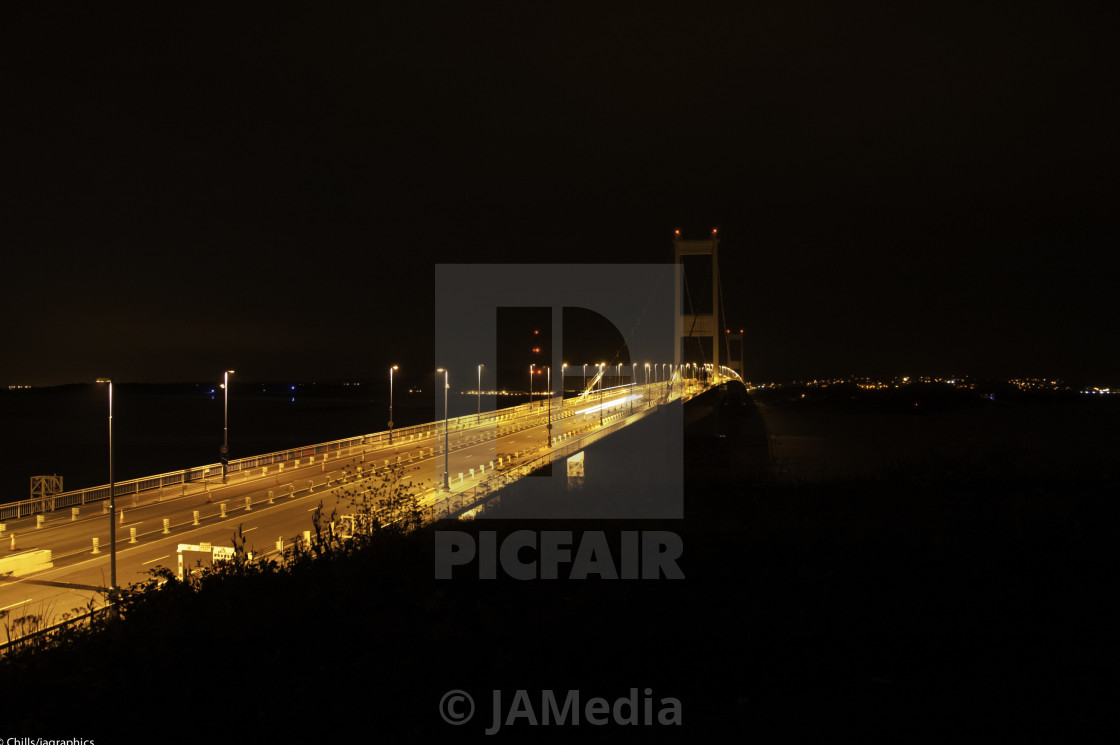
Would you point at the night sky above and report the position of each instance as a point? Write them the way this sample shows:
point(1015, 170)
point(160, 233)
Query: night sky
point(898, 191)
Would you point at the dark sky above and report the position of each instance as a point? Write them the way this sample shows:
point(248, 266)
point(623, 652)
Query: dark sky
point(898, 191)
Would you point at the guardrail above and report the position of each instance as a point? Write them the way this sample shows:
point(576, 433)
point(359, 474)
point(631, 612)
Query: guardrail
point(132, 487)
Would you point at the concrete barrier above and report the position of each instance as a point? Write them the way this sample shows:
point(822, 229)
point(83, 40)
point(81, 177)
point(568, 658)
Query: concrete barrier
point(26, 563)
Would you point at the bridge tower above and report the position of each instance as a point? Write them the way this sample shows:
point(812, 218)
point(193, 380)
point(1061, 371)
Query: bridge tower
point(735, 350)
point(694, 323)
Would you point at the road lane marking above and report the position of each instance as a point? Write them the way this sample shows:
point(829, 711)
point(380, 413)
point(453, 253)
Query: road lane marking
point(13, 605)
point(155, 560)
point(248, 529)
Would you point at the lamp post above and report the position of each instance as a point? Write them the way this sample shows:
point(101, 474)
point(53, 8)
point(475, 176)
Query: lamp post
point(391, 369)
point(225, 428)
point(112, 501)
point(601, 366)
point(584, 377)
point(647, 384)
point(446, 385)
point(631, 387)
point(548, 429)
point(478, 418)
point(531, 387)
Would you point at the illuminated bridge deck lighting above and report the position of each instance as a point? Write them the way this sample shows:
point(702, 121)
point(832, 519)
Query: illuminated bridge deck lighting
point(609, 404)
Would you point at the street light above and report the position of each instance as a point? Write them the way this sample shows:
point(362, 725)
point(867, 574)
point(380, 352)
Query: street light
point(584, 377)
point(648, 397)
point(531, 388)
point(601, 366)
point(478, 419)
point(631, 387)
point(446, 385)
point(548, 429)
point(225, 427)
point(391, 369)
point(112, 502)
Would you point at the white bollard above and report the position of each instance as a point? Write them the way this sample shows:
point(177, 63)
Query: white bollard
point(307, 537)
point(39, 521)
point(195, 522)
point(472, 473)
point(270, 496)
point(96, 545)
point(248, 504)
point(73, 513)
point(166, 525)
point(132, 535)
point(222, 506)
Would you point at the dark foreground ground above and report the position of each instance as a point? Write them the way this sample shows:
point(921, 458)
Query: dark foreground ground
point(929, 605)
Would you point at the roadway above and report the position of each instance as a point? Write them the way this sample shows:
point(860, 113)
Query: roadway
point(271, 504)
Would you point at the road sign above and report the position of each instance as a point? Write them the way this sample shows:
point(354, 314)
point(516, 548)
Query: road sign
point(222, 554)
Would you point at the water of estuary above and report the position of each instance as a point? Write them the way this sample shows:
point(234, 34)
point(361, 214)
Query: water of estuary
point(822, 440)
